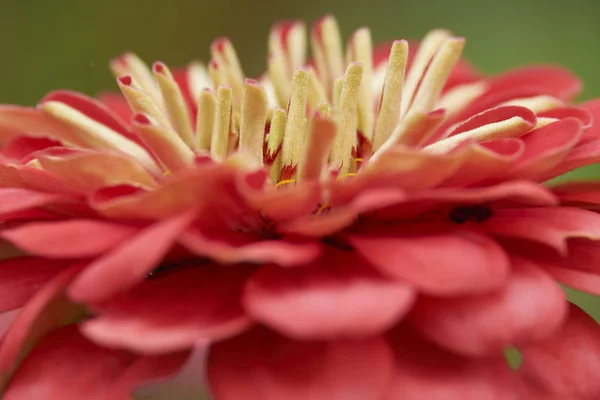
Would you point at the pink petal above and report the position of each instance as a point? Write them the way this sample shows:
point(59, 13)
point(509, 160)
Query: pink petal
point(21, 278)
point(423, 371)
point(15, 175)
point(47, 310)
point(21, 146)
point(91, 108)
point(551, 226)
point(579, 269)
point(263, 366)
point(579, 113)
point(16, 199)
point(173, 312)
point(546, 147)
point(433, 259)
point(592, 132)
point(583, 154)
point(129, 263)
point(555, 81)
point(116, 104)
point(284, 203)
point(66, 366)
point(566, 365)
point(582, 194)
point(231, 247)
point(529, 308)
point(336, 296)
point(68, 239)
point(207, 185)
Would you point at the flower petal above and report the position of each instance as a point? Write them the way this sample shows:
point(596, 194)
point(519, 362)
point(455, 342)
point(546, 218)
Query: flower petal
point(565, 366)
point(173, 312)
point(263, 366)
point(529, 308)
point(235, 247)
point(336, 296)
point(546, 147)
point(19, 147)
point(579, 269)
point(17, 199)
point(74, 238)
point(21, 278)
point(90, 170)
point(129, 263)
point(101, 373)
point(47, 310)
point(424, 371)
point(93, 109)
point(551, 226)
point(434, 259)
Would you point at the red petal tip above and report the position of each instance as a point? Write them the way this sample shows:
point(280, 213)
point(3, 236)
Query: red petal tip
point(125, 80)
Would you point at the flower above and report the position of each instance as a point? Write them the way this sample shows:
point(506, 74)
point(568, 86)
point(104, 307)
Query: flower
point(372, 229)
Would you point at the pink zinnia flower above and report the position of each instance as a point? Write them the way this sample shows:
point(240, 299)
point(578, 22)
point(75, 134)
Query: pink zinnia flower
point(376, 228)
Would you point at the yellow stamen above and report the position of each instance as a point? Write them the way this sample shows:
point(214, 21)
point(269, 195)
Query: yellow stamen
point(414, 130)
point(543, 122)
point(429, 47)
point(316, 151)
point(324, 109)
point(274, 140)
point(537, 104)
point(295, 126)
point(285, 182)
point(348, 175)
point(391, 100)
point(512, 127)
point(89, 134)
point(177, 109)
point(316, 90)
point(205, 119)
point(130, 64)
point(346, 137)
point(217, 74)
point(224, 53)
point(361, 50)
point(198, 79)
point(220, 136)
point(437, 74)
point(254, 117)
point(140, 101)
point(296, 47)
point(277, 73)
point(166, 144)
point(337, 93)
point(327, 48)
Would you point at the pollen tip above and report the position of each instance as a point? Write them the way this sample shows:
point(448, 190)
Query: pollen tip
point(159, 67)
point(141, 119)
point(207, 90)
point(126, 80)
point(250, 81)
point(219, 44)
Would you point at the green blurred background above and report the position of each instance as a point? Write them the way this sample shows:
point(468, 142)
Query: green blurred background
point(67, 44)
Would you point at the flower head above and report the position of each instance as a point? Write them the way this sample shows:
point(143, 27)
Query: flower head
point(372, 224)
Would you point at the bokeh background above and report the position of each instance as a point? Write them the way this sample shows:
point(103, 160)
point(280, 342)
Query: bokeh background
point(53, 44)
